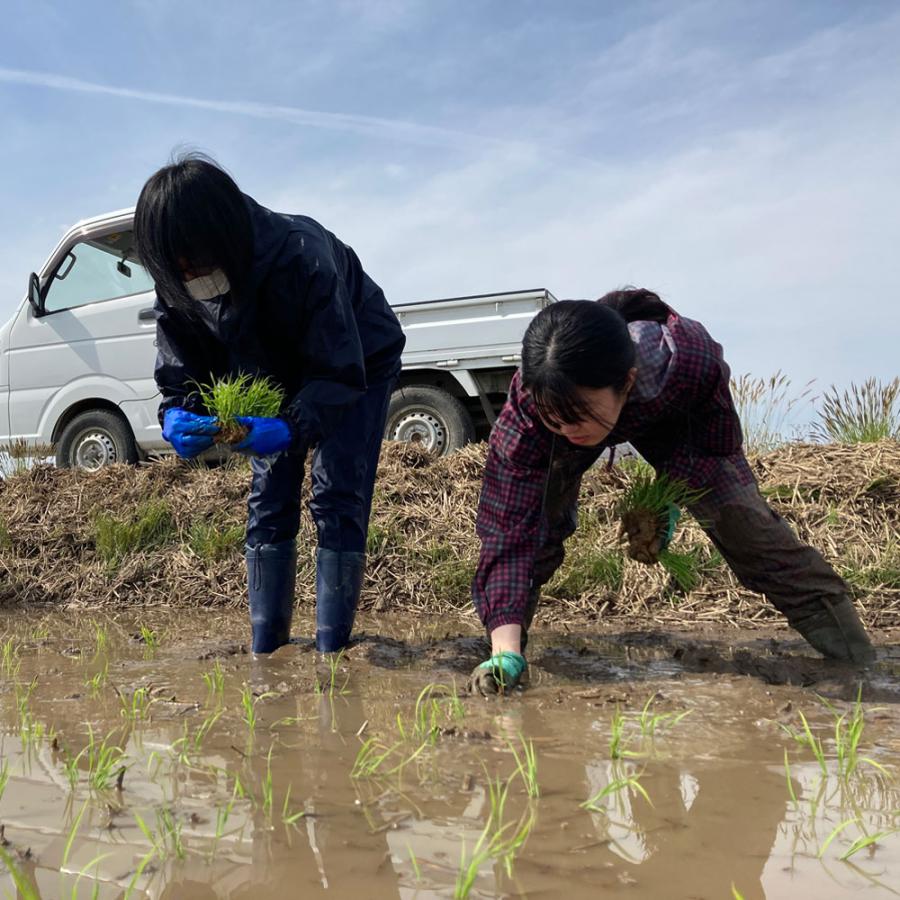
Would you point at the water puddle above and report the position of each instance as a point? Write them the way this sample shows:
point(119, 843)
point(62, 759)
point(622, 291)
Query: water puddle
point(153, 757)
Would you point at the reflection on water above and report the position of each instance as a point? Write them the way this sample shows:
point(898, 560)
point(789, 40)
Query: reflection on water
point(246, 792)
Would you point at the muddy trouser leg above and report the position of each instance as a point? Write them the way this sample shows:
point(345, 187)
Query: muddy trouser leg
point(273, 517)
point(343, 480)
point(766, 556)
point(561, 511)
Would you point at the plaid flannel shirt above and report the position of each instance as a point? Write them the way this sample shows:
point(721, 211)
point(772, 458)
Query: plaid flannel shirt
point(679, 416)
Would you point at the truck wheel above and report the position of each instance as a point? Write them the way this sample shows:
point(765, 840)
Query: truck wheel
point(429, 416)
point(95, 439)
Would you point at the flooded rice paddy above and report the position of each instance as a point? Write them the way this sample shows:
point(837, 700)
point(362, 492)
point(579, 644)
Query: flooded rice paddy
point(154, 757)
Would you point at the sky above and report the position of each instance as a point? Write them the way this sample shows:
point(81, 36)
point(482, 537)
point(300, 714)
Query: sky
point(741, 159)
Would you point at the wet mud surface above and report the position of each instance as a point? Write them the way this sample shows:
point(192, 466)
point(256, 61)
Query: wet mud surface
point(155, 757)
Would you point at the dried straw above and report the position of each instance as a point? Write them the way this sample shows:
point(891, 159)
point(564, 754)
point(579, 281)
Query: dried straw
point(845, 500)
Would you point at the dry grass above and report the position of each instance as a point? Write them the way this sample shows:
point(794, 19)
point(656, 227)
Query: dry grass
point(843, 499)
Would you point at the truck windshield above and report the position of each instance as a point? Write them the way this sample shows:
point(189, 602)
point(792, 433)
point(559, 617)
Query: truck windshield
point(102, 270)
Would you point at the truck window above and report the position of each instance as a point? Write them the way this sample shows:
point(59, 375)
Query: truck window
point(95, 270)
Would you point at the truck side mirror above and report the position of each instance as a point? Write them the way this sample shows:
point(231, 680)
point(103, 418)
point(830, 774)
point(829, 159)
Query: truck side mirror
point(35, 295)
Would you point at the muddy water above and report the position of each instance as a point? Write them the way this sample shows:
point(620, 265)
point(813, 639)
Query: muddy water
point(702, 807)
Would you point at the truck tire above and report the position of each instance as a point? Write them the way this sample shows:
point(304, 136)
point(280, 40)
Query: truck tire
point(429, 416)
point(94, 439)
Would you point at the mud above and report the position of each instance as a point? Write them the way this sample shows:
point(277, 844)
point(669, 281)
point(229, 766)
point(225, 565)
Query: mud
point(643, 530)
point(705, 799)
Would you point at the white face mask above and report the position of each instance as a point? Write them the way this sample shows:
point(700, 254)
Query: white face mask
point(208, 287)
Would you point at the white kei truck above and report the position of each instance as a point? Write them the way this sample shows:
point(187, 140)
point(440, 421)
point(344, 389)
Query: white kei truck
point(77, 357)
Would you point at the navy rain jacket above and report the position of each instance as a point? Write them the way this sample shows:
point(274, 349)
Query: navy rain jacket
point(314, 322)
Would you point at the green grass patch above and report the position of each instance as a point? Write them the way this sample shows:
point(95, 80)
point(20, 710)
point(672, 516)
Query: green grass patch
point(148, 527)
point(586, 570)
point(214, 542)
point(861, 414)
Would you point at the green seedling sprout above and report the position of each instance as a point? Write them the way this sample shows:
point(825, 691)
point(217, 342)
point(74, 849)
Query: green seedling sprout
point(150, 639)
point(625, 783)
point(4, 776)
point(240, 395)
point(96, 682)
point(101, 639)
point(136, 708)
point(289, 816)
point(215, 682)
point(499, 840)
point(526, 767)
point(11, 661)
point(24, 885)
point(414, 863)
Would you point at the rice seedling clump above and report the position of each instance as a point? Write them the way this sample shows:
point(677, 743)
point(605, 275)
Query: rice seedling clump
point(239, 395)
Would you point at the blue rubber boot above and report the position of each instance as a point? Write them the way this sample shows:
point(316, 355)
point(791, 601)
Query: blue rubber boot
point(339, 576)
point(271, 574)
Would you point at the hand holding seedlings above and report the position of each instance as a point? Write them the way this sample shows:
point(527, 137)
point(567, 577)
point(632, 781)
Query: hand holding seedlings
point(649, 512)
point(189, 433)
point(245, 411)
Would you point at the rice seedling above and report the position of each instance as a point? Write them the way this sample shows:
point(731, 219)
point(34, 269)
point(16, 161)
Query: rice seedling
point(499, 840)
point(248, 702)
point(267, 789)
point(135, 708)
point(165, 840)
point(26, 888)
point(101, 639)
point(333, 661)
point(629, 783)
point(848, 732)
point(861, 414)
point(96, 682)
point(805, 738)
point(11, 662)
point(289, 816)
point(526, 766)
point(93, 864)
point(653, 723)
point(789, 778)
point(414, 863)
point(645, 510)
point(4, 776)
point(149, 526)
point(215, 683)
point(103, 761)
point(735, 893)
point(239, 395)
point(149, 638)
point(764, 405)
point(73, 831)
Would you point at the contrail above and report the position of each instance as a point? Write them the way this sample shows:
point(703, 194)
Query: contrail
point(389, 129)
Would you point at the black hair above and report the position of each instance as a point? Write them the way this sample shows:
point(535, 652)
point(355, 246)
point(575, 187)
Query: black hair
point(192, 210)
point(582, 343)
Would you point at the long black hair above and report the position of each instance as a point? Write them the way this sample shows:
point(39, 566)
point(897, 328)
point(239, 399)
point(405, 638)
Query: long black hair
point(192, 210)
point(583, 343)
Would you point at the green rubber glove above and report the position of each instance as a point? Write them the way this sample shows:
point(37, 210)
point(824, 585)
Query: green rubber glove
point(499, 674)
point(672, 515)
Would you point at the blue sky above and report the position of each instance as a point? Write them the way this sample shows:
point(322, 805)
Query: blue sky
point(740, 158)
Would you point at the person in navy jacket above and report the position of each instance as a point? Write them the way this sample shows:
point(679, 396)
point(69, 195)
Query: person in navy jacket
point(242, 289)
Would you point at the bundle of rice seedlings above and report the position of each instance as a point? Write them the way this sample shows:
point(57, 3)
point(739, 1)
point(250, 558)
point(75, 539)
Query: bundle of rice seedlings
point(239, 395)
point(644, 513)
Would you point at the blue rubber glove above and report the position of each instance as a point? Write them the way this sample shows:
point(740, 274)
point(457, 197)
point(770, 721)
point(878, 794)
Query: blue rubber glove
point(187, 432)
point(672, 515)
point(499, 674)
point(264, 437)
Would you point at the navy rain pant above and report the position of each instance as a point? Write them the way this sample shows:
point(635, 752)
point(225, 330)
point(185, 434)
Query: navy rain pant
point(342, 476)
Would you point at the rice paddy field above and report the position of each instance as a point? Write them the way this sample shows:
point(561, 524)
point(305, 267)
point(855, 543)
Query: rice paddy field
point(674, 738)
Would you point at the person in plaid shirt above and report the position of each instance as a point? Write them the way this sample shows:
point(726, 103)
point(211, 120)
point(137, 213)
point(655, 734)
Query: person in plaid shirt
point(628, 368)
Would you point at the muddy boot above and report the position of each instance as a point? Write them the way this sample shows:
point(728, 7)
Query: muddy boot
point(339, 578)
point(271, 574)
point(835, 631)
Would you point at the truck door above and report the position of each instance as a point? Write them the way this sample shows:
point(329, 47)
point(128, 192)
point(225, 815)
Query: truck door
point(95, 339)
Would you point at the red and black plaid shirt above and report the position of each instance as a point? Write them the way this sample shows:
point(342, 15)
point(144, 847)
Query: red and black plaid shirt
point(679, 416)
